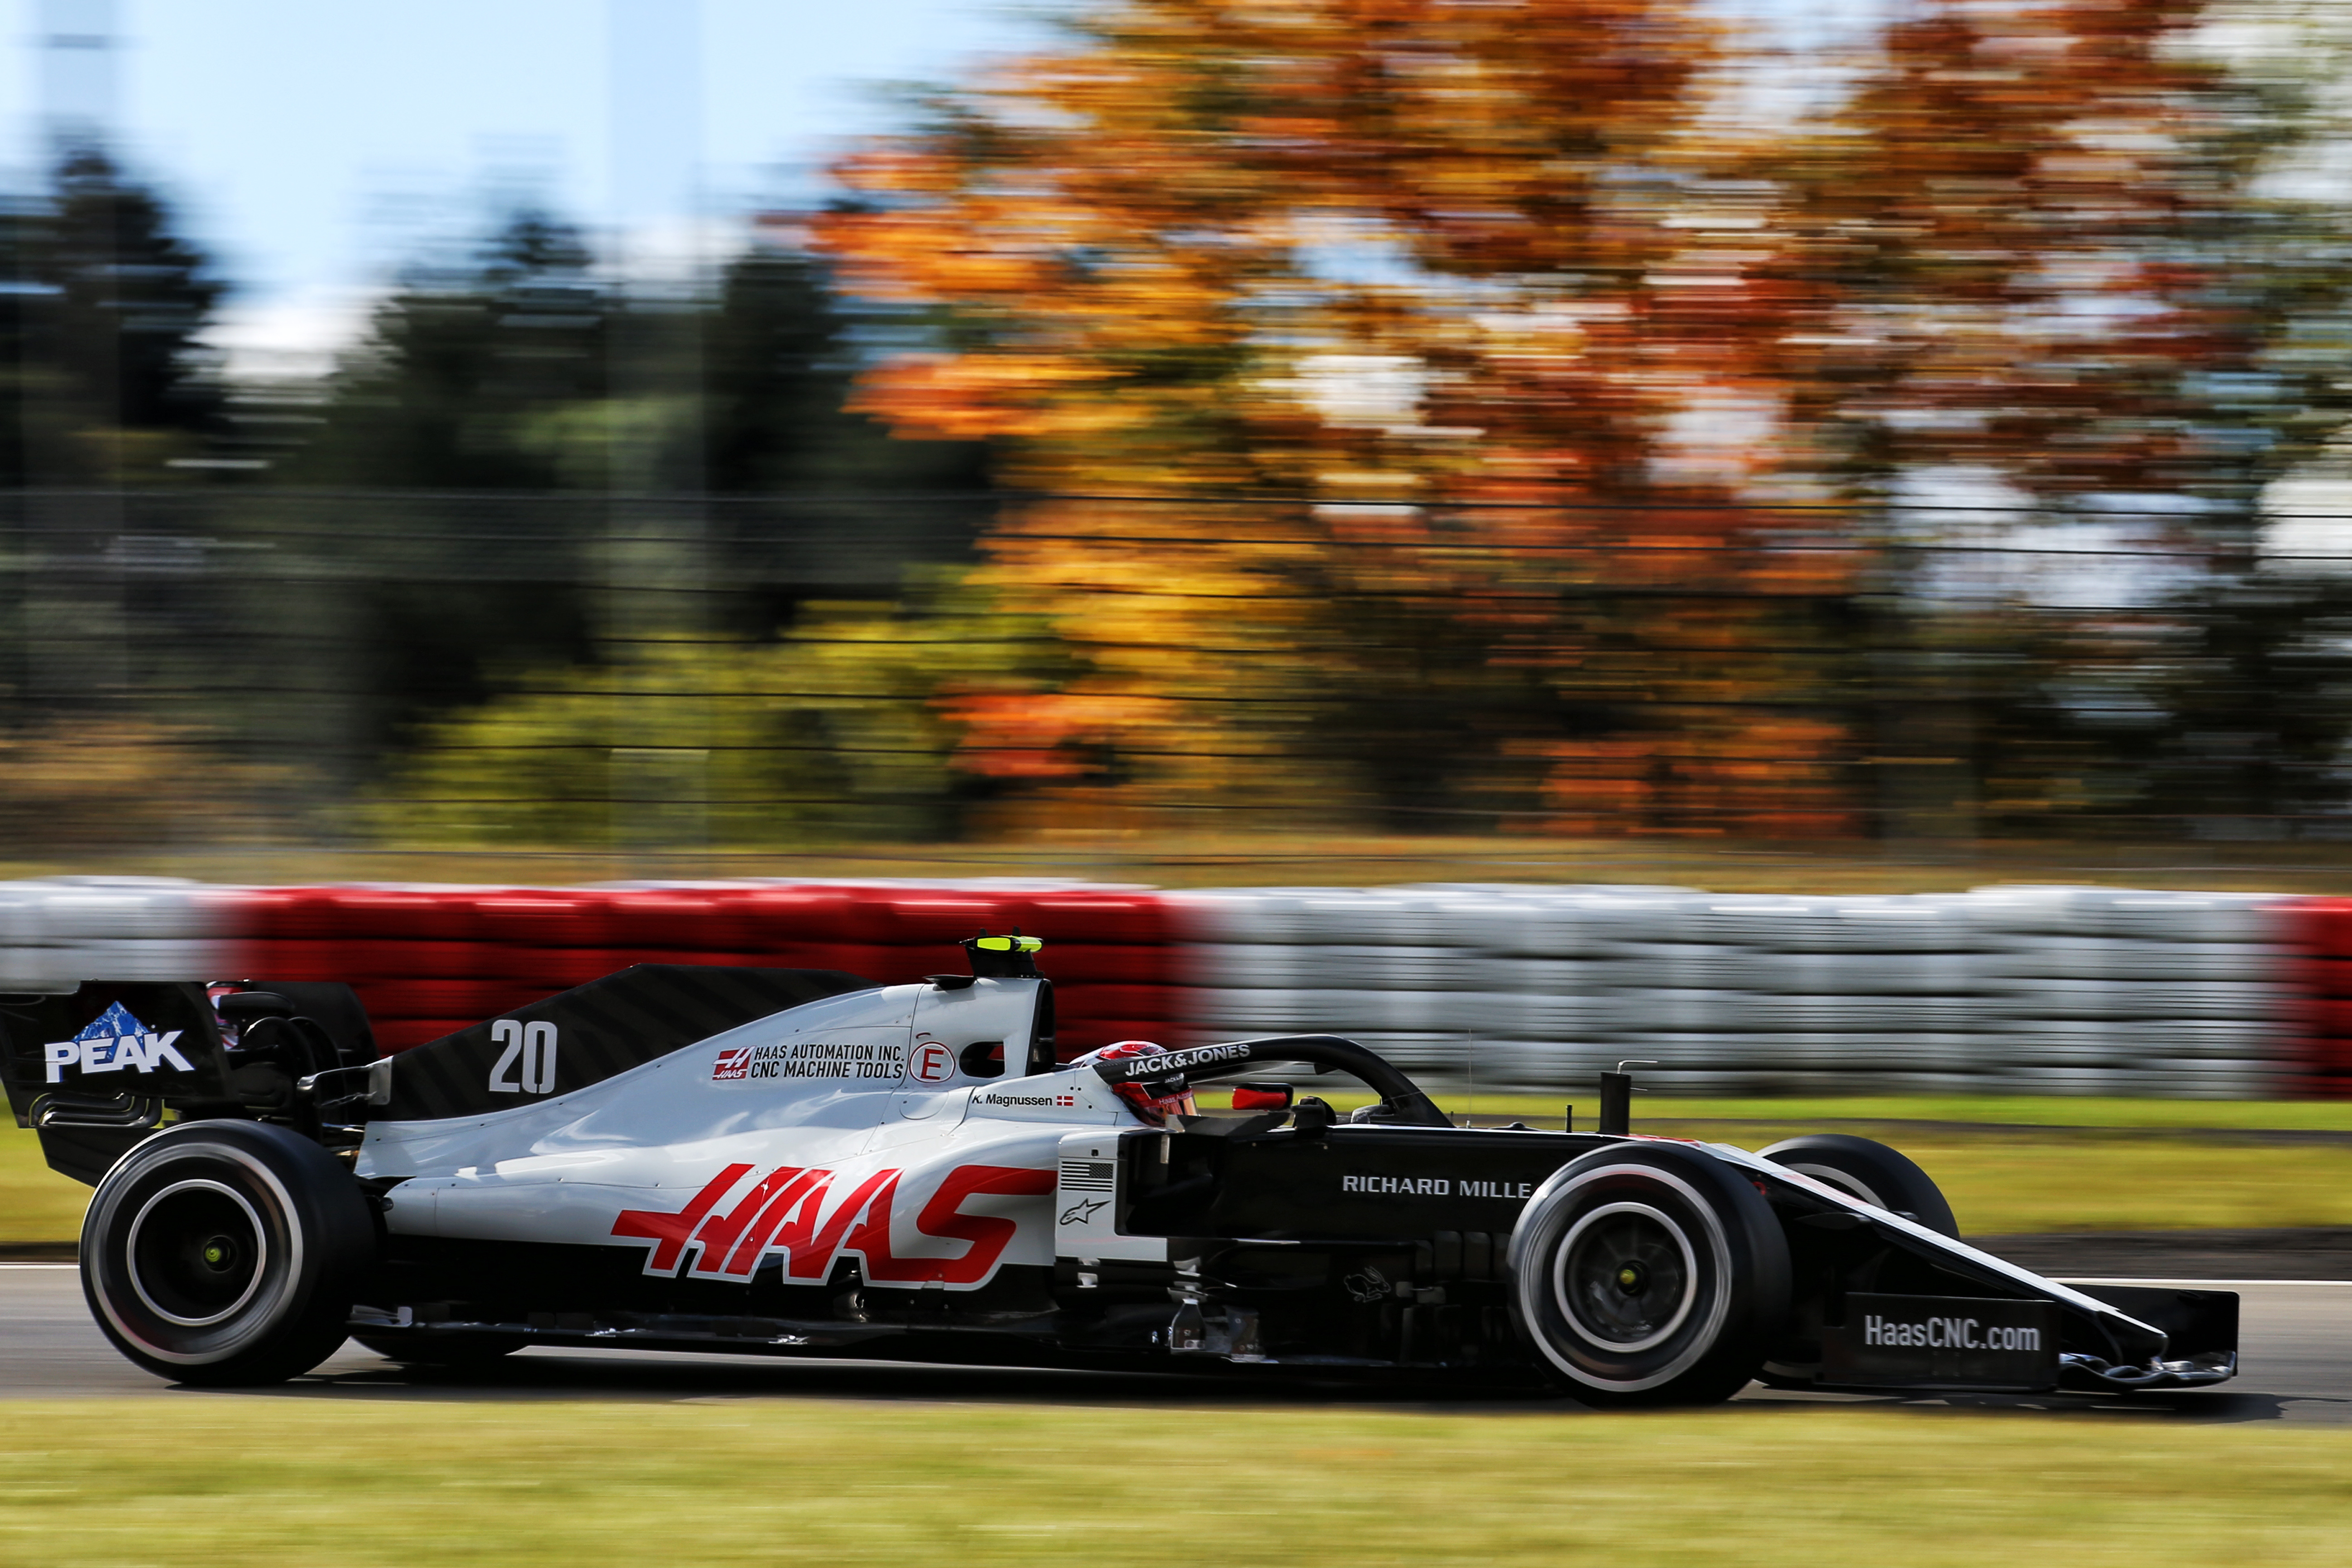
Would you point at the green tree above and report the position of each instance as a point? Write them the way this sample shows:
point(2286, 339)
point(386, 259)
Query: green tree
point(831, 731)
point(524, 446)
point(463, 366)
point(779, 368)
point(504, 370)
point(102, 303)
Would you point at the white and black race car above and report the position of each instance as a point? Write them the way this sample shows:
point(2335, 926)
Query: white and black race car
point(799, 1163)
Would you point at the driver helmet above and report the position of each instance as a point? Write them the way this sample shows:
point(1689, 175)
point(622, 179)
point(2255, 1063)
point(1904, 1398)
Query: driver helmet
point(1153, 1099)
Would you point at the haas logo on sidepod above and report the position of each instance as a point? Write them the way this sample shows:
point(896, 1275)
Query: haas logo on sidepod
point(786, 1210)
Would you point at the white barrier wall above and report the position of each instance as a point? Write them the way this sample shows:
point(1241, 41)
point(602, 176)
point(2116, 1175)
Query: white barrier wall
point(56, 934)
point(2025, 990)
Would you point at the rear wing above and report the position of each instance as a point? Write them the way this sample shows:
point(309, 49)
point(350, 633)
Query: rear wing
point(92, 1070)
point(95, 1070)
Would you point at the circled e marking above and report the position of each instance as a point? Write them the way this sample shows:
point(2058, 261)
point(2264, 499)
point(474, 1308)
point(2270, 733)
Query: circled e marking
point(931, 1063)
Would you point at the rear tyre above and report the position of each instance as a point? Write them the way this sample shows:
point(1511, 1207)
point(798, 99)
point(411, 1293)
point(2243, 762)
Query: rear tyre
point(1872, 1172)
point(1649, 1275)
point(226, 1252)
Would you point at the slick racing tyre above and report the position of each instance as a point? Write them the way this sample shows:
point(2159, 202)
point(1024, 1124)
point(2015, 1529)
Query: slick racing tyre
point(1871, 1172)
point(226, 1252)
point(1649, 1275)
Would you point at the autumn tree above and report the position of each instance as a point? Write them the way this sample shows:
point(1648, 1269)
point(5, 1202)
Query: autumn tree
point(2018, 241)
point(2033, 256)
point(1373, 319)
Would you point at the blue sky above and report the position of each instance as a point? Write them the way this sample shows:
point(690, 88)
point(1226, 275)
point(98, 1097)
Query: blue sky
point(313, 145)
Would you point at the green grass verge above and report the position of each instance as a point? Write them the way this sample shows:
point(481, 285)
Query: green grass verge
point(2053, 1111)
point(207, 1480)
point(2028, 1168)
point(2004, 1186)
point(2025, 1172)
point(1650, 1111)
point(36, 1205)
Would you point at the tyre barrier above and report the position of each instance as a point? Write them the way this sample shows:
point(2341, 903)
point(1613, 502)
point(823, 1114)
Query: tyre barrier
point(2054, 989)
point(2001, 990)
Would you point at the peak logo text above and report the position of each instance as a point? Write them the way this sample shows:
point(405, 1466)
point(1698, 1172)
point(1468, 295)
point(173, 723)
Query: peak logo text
point(115, 1041)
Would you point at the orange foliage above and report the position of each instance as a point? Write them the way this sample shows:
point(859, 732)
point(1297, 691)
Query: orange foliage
point(1461, 283)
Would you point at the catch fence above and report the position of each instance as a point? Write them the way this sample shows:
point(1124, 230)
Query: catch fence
point(263, 665)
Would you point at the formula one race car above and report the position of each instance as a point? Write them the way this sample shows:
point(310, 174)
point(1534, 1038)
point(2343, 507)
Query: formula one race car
point(797, 1163)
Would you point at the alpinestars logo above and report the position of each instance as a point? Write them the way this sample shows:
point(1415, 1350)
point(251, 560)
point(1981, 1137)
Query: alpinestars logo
point(112, 1042)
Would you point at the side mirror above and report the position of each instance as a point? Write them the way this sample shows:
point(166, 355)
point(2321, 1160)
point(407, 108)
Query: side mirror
point(1262, 1097)
point(1313, 1115)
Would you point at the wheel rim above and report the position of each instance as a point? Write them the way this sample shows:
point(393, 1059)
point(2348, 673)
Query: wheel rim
point(196, 1253)
point(1625, 1277)
point(130, 1282)
point(1545, 1232)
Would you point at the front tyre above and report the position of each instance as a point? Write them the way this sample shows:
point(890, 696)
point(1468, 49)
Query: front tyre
point(226, 1252)
point(1648, 1274)
point(1878, 1175)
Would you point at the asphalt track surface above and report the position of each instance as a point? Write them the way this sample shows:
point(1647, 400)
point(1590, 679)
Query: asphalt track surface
point(2296, 1355)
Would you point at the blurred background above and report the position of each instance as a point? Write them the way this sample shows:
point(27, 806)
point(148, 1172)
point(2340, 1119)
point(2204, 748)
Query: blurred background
point(1582, 430)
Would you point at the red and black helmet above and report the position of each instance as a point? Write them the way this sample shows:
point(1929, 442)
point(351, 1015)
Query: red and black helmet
point(1152, 1099)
